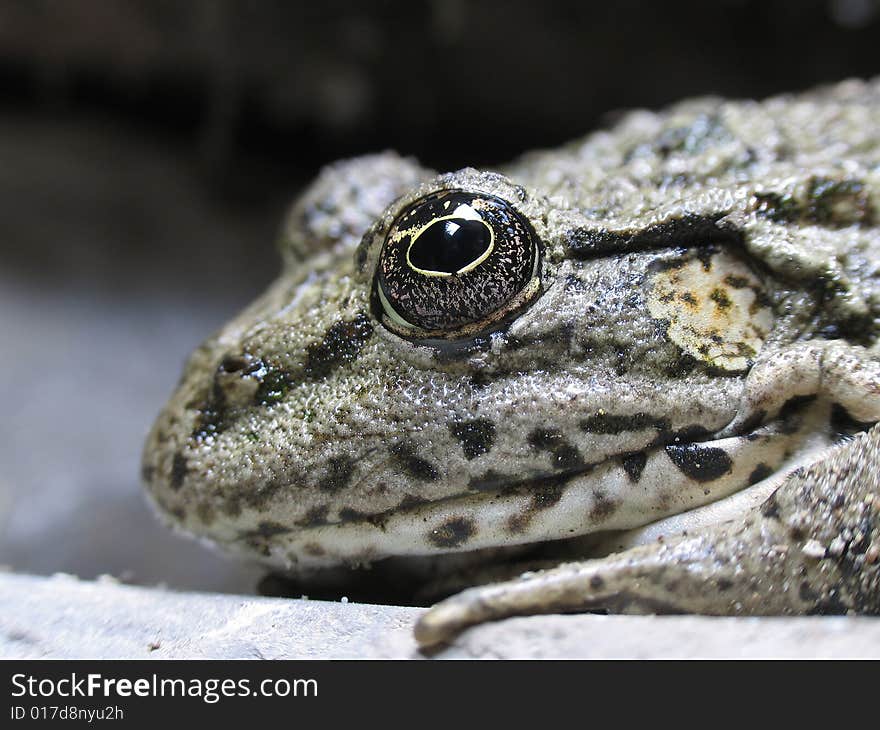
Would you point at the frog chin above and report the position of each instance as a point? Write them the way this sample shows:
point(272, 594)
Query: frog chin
point(623, 493)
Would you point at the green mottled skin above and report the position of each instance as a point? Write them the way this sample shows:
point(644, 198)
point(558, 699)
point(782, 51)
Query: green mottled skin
point(708, 318)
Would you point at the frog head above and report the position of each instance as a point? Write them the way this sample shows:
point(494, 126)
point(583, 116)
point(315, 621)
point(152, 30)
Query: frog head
point(474, 360)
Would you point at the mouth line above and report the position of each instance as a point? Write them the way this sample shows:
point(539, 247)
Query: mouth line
point(679, 445)
point(676, 476)
point(541, 487)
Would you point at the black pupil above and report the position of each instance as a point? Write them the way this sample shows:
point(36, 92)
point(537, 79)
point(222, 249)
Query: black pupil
point(450, 245)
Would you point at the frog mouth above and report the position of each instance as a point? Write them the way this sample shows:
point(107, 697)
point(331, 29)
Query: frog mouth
point(623, 492)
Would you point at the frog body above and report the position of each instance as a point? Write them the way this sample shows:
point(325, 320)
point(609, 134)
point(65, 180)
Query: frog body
point(633, 337)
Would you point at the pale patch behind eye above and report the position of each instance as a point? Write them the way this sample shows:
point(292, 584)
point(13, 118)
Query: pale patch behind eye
point(716, 309)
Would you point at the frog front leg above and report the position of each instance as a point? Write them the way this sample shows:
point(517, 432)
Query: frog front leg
point(847, 376)
point(813, 547)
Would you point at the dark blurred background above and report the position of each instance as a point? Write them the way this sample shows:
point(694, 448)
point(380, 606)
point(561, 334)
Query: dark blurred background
point(148, 149)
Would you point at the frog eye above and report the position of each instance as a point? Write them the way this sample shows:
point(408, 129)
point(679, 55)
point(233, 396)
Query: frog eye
point(454, 263)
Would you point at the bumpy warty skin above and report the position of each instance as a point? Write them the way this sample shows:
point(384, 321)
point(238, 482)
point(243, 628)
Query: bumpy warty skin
point(708, 285)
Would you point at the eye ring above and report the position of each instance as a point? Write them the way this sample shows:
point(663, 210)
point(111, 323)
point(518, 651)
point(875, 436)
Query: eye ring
point(454, 263)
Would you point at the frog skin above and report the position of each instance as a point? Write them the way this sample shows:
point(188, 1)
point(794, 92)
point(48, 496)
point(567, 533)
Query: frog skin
point(664, 371)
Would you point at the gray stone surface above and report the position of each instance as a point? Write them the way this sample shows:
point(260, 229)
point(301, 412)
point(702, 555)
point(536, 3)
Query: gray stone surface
point(63, 617)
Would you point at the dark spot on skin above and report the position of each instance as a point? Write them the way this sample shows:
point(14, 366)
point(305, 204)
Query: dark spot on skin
point(315, 516)
point(828, 202)
point(564, 455)
point(664, 499)
point(704, 256)
point(415, 466)
point(476, 437)
point(205, 512)
point(688, 435)
point(791, 411)
point(337, 475)
point(178, 471)
point(379, 519)
point(561, 336)
point(480, 380)
point(547, 493)
point(602, 507)
point(682, 366)
point(313, 549)
point(806, 593)
point(858, 329)
point(347, 514)
point(518, 524)
point(258, 497)
point(736, 282)
point(255, 497)
point(722, 301)
point(689, 298)
point(762, 301)
point(360, 256)
point(259, 538)
point(775, 207)
point(723, 584)
point(831, 605)
point(455, 532)
point(843, 424)
point(596, 583)
point(231, 507)
point(759, 473)
point(341, 344)
point(836, 203)
point(212, 415)
point(606, 423)
point(691, 138)
point(410, 501)
point(684, 231)
point(634, 464)
point(701, 463)
point(379, 489)
point(574, 283)
point(273, 387)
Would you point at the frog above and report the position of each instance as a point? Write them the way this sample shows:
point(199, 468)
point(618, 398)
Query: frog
point(639, 373)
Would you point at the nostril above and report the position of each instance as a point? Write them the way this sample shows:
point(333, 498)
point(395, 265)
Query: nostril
point(237, 379)
point(243, 363)
point(236, 363)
